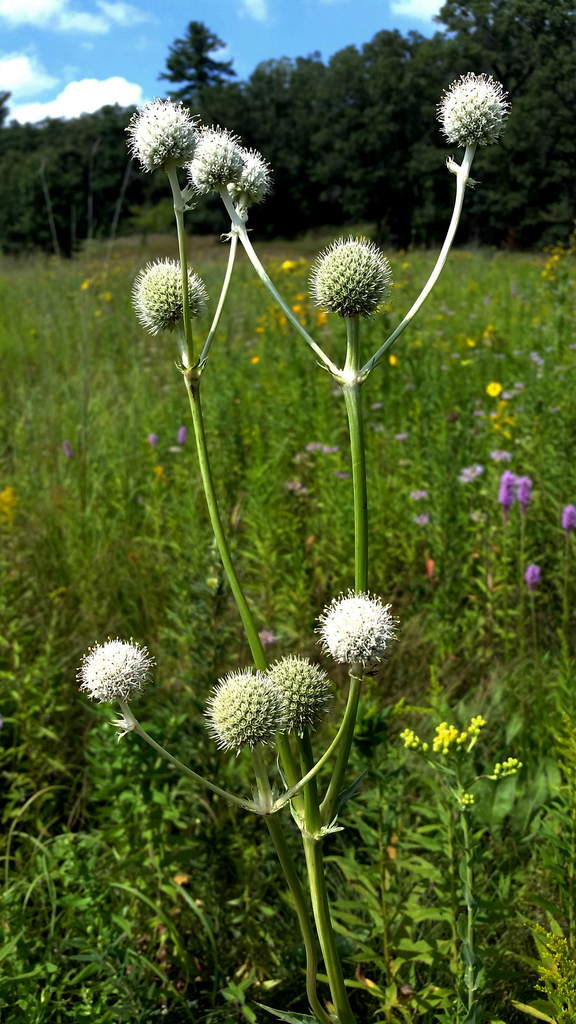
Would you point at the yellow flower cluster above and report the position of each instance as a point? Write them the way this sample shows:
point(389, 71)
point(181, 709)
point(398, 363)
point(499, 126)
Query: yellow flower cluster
point(509, 767)
point(448, 737)
point(8, 504)
point(467, 800)
point(413, 742)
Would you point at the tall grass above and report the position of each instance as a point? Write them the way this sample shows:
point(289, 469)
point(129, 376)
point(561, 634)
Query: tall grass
point(115, 540)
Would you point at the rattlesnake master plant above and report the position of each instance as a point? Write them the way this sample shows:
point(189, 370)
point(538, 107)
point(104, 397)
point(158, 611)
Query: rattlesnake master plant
point(158, 298)
point(162, 131)
point(253, 708)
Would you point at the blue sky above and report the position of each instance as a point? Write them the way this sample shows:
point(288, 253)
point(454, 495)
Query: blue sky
point(59, 58)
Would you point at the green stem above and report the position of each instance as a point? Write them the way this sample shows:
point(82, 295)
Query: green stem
point(222, 299)
point(461, 182)
point(565, 595)
point(239, 227)
point(179, 208)
point(211, 500)
point(521, 625)
point(287, 863)
point(347, 730)
point(299, 783)
point(315, 862)
point(469, 885)
point(351, 392)
point(134, 724)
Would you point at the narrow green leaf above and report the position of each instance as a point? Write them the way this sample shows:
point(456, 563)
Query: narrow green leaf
point(290, 1018)
point(533, 1011)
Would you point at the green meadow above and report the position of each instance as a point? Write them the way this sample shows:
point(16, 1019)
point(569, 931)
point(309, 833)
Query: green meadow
point(128, 895)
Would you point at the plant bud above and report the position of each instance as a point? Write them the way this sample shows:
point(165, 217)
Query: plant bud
point(352, 277)
point(246, 708)
point(305, 689)
point(158, 299)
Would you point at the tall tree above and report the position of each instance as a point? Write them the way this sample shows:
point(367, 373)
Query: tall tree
point(4, 97)
point(189, 61)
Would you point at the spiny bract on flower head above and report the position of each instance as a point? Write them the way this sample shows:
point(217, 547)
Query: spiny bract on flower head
point(161, 130)
point(246, 708)
point(305, 689)
point(218, 160)
point(351, 277)
point(357, 629)
point(118, 669)
point(255, 181)
point(473, 109)
point(157, 296)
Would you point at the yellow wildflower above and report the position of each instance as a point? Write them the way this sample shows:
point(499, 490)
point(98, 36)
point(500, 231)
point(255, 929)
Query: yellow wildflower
point(493, 389)
point(85, 285)
point(393, 360)
point(321, 318)
point(8, 504)
point(289, 265)
point(255, 359)
point(159, 472)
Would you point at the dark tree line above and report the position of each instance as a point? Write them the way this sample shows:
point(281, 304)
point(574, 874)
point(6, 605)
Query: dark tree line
point(354, 139)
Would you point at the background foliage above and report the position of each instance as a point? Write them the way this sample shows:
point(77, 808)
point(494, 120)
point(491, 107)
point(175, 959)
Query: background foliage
point(351, 139)
point(128, 895)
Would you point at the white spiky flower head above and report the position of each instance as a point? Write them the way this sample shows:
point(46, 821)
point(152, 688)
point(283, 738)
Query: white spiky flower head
point(246, 708)
point(351, 277)
point(157, 296)
point(357, 629)
point(255, 181)
point(473, 109)
point(218, 160)
point(116, 670)
point(306, 692)
point(161, 130)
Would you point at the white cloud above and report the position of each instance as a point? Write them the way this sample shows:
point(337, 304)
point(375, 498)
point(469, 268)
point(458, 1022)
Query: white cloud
point(60, 15)
point(422, 9)
point(81, 98)
point(256, 9)
point(123, 14)
point(23, 75)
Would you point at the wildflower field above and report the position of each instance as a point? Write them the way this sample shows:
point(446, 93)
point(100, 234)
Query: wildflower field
point(127, 893)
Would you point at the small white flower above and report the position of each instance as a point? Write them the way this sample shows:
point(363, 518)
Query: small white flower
point(351, 277)
point(118, 669)
point(246, 708)
point(357, 629)
point(161, 130)
point(305, 689)
point(473, 109)
point(218, 160)
point(157, 296)
point(255, 181)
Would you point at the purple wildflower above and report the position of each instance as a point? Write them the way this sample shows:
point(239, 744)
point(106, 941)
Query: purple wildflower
point(340, 475)
point(401, 437)
point(418, 495)
point(470, 473)
point(524, 491)
point(153, 439)
point(532, 576)
point(569, 518)
point(267, 637)
point(330, 449)
point(67, 449)
point(377, 405)
point(536, 359)
point(421, 520)
point(500, 456)
point(182, 435)
point(479, 412)
point(506, 492)
point(486, 300)
point(313, 446)
point(296, 487)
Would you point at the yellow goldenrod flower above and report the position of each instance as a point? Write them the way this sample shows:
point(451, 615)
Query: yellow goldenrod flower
point(321, 318)
point(494, 389)
point(85, 285)
point(393, 360)
point(159, 472)
point(289, 265)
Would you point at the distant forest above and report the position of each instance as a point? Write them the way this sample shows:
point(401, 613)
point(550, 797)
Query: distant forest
point(351, 140)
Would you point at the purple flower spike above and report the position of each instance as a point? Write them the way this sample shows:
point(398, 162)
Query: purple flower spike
point(182, 435)
point(153, 439)
point(532, 576)
point(569, 518)
point(524, 492)
point(67, 449)
point(506, 492)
